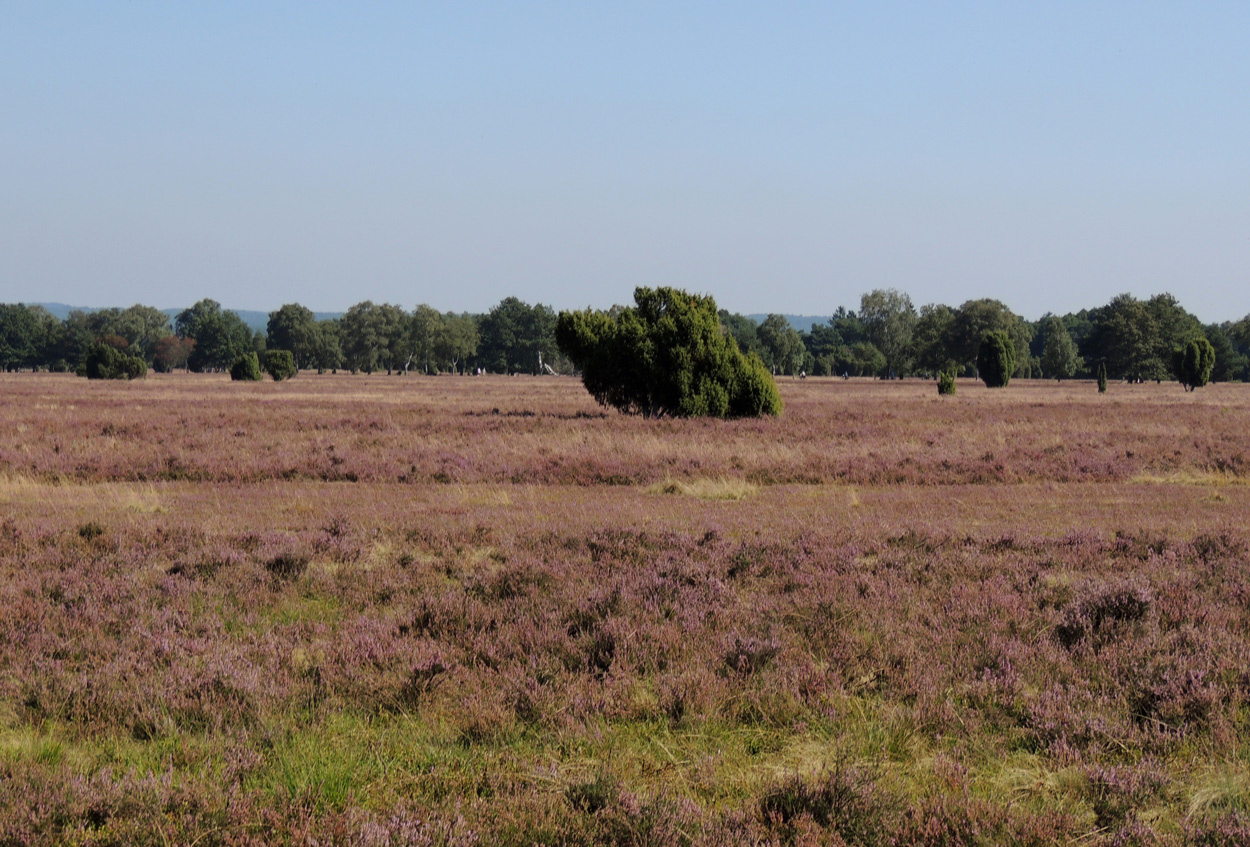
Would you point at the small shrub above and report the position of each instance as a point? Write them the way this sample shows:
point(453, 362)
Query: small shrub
point(287, 565)
point(246, 368)
point(424, 678)
point(593, 796)
point(747, 655)
point(1102, 607)
point(842, 800)
point(1102, 377)
point(280, 364)
point(946, 383)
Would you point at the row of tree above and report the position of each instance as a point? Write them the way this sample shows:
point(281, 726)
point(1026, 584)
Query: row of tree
point(514, 337)
point(1133, 339)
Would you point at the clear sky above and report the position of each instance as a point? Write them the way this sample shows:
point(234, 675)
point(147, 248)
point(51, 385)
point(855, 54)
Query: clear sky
point(783, 157)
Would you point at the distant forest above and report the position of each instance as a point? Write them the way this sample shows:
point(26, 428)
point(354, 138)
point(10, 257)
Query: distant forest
point(886, 337)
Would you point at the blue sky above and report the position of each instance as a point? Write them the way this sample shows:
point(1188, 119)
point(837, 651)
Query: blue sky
point(782, 157)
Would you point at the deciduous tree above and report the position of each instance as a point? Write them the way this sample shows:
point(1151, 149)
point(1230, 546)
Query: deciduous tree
point(782, 344)
point(293, 327)
point(221, 337)
point(1060, 358)
point(889, 320)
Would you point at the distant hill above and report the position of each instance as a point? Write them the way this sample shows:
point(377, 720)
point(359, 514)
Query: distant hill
point(799, 322)
point(256, 321)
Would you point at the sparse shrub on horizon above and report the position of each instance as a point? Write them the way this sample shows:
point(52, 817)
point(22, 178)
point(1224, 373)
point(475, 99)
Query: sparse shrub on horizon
point(946, 382)
point(280, 364)
point(1102, 377)
point(246, 368)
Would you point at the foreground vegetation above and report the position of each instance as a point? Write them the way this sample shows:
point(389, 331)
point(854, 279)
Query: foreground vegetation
point(457, 611)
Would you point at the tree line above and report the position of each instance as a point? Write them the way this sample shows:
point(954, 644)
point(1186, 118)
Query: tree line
point(513, 337)
point(1135, 340)
point(886, 337)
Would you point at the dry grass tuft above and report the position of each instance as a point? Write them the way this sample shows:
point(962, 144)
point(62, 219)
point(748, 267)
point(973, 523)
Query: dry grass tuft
point(1192, 477)
point(1221, 790)
point(720, 488)
point(142, 500)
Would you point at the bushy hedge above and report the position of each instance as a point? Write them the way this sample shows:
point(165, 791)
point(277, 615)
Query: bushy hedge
point(246, 368)
point(107, 362)
point(1193, 363)
point(996, 360)
point(667, 355)
point(280, 364)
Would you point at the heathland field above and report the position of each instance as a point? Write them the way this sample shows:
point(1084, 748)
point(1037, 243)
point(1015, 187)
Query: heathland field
point(372, 610)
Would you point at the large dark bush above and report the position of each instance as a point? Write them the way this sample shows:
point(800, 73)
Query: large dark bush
point(280, 364)
point(668, 355)
point(246, 367)
point(996, 360)
point(105, 361)
point(1193, 363)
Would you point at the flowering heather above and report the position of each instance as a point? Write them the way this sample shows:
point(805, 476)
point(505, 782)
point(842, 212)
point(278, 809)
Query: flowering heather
point(548, 431)
point(493, 614)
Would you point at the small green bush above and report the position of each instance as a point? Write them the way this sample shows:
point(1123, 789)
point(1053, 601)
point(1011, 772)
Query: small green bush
point(1102, 377)
point(280, 364)
point(107, 362)
point(246, 367)
point(946, 383)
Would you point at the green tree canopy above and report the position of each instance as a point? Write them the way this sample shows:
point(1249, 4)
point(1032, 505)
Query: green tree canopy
point(1229, 364)
point(20, 336)
point(782, 344)
point(292, 328)
point(221, 337)
point(514, 334)
point(932, 340)
point(667, 355)
point(142, 326)
point(889, 319)
point(326, 353)
point(744, 330)
point(362, 336)
point(976, 318)
point(456, 341)
point(1060, 358)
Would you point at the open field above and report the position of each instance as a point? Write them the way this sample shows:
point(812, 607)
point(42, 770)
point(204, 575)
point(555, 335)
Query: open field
point(406, 610)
